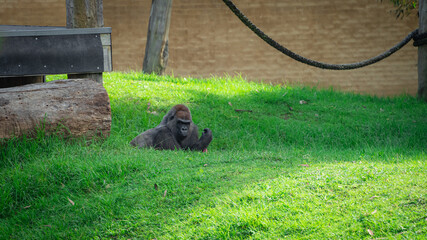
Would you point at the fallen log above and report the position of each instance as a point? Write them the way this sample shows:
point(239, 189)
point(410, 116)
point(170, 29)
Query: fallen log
point(78, 107)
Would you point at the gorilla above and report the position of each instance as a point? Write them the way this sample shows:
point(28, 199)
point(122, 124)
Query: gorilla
point(175, 131)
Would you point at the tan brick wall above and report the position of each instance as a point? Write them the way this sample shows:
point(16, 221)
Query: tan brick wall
point(207, 39)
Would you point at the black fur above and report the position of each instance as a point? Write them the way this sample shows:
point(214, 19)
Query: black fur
point(175, 131)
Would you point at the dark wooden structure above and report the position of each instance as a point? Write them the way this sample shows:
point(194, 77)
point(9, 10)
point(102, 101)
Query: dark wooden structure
point(28, 52)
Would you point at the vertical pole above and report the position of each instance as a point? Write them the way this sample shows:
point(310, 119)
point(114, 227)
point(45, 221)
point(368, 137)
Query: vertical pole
point(85, 14)
point(422, 52)
point(156, 49)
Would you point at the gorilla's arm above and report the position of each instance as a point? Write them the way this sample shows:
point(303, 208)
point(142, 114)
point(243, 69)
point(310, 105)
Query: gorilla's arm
point(194, 143)
point(159, 137)
point(145, 139)
point(165, 140)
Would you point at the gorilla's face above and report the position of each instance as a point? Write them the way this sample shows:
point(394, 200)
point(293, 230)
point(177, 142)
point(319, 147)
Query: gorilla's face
point(180, 122)
point(183, 127)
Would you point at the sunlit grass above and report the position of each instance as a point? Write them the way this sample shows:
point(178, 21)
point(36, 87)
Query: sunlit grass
point(298, 163)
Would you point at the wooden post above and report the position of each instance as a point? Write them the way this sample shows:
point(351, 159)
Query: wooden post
point(422, 52)
point(85, 14)
point(156, 49)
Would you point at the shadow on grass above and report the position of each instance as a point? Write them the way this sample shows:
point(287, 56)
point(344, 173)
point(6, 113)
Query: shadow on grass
point(279, 118)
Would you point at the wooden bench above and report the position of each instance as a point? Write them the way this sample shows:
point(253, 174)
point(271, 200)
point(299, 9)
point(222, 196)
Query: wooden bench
point(28, 53)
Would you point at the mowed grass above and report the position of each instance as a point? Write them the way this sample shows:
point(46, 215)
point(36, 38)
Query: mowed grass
point(298, 163)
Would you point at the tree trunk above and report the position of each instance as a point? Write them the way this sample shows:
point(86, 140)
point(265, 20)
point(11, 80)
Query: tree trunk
point(422, 53)
point(156, 49)
point(71, 107)
point(85, 14)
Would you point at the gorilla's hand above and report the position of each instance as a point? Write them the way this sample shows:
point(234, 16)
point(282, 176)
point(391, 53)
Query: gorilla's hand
point(206, 137)
point(207, 133)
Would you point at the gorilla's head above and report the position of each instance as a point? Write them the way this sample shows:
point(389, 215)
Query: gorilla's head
point(179, 123)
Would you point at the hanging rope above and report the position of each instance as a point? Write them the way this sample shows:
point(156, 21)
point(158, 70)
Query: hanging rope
point(313, 63)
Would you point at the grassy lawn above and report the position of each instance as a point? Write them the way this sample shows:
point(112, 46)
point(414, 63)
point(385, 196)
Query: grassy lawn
point(301, 164)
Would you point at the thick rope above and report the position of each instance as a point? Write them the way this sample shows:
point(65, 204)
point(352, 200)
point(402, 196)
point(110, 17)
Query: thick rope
point(310, 62)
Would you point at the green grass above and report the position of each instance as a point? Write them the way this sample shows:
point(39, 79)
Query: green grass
point(336, 167)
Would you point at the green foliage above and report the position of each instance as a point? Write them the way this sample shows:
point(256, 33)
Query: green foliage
point(301, 164)
point(404, 7)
